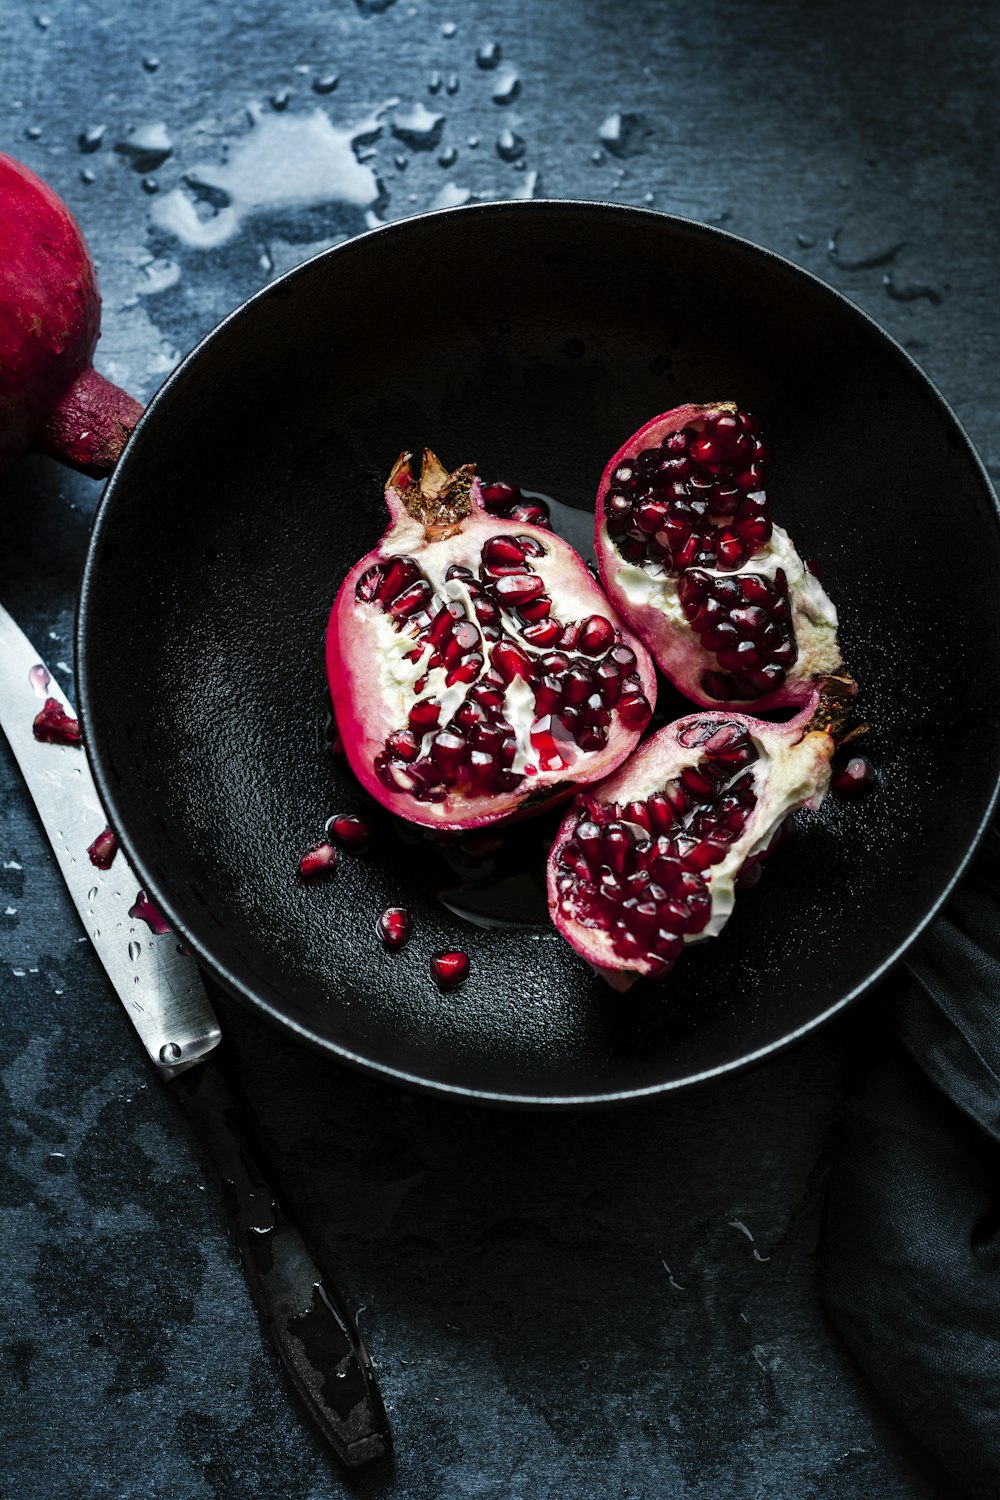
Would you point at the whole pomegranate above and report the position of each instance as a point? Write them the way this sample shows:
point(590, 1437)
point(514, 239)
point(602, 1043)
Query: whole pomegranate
point(650, 859)
point(51, 397)
point(689, 554)
point(476, 669)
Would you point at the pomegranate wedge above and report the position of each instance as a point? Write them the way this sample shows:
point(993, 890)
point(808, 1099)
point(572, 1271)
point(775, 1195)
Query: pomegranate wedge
point(650, 859)
point(689, 554)
point(477, 670)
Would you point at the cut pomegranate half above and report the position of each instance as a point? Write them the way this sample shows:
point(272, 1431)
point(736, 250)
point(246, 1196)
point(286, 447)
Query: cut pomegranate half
point(689, 555)
point(477, 670)
point(649, 860)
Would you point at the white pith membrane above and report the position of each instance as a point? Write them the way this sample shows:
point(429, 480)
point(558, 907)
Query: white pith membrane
point(375, 688)
point(649, 595)
point(791, 770)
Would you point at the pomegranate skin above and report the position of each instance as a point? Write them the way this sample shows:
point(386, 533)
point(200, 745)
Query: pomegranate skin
point(366, 662)
point(51, 398)
point(653, 609)
point(781, 767)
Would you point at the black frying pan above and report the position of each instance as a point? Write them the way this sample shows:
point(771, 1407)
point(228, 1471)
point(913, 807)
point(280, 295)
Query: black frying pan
point(532, 338)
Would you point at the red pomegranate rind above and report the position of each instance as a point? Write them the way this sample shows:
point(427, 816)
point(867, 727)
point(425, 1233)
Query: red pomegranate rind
point(689, 554)
point(476, 669)
point(649, 860)
point(51, 398)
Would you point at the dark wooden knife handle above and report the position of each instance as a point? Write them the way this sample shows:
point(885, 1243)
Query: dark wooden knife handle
point(304, 1317)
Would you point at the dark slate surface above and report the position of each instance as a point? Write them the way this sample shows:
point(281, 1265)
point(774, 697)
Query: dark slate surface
point(620, 1305)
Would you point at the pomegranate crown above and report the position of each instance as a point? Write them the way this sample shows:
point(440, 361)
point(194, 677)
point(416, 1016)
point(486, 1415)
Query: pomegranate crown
point(437, 499)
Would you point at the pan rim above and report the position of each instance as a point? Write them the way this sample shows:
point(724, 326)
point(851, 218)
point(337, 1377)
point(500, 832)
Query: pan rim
point(237, 986)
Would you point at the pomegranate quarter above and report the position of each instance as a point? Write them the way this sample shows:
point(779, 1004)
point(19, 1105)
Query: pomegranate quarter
point(650, 860)
point(477, 671)
point(689, 554)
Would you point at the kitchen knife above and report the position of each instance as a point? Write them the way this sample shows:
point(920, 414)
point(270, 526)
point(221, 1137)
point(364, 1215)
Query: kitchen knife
point(162, 991)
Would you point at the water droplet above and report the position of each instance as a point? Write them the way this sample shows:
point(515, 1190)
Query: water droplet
point(134, 949)
point(597, 156)
point(472, 142)
point(151, 64)
point(18, 973)
point(402, 162)
point(96, 933)
point(56, 1163)
point(649, 197)
point(510, 145)
point(87, 176)
point(326, 84)
point(150, 185)
point(912, 293)
point(507, 87)
point(33, 132)
point(488, 56)
point(39, 679)
point(621, 133)
point(170, 1053)
point(374, 7)
point(419, 128)
point(448, 157)
point(434, 83)
point(281, 99)
point(449, 28)
point(92, 894)
point(146, 147)
point(805, 241)
point(286, 161)
point(451, 196)
point(453, 84)
point(43, 22)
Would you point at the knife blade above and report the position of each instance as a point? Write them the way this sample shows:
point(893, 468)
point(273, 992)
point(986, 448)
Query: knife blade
point(159, 986)
point(303, 1315)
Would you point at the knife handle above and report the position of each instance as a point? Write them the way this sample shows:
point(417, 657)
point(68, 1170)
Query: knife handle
point(303, 1315)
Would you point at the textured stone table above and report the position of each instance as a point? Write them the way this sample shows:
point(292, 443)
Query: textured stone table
point(599, 1306)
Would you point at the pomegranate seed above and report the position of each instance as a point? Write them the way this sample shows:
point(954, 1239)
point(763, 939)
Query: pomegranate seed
point(499, 497)
point(424, 716)
point(542, 633)
point(552, 743)
point(705, 450)
point(503, 550)
point(749, 875)
point(350, 831)
point(535, 609)
point(634, 711)
point(510, 661)
point(103, 850)
point(320, 860)
point(531, 515)
point(403, 744)
point(53, 725)
point(448, 751)
point(400, 573)
point(394, 928)
point(546, 695)
point(466, 670)
point(514, 589)
point(597, 635)
point(577, 685)
point(450, 968)
point(482, 767)
point(410, 600)
point(368, 585)
point(856, 779)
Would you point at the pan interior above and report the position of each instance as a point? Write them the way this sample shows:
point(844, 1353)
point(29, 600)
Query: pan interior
point(531, 338)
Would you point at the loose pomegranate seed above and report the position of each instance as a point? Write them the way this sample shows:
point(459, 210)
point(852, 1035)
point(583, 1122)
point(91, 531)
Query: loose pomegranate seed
point(54, 726)
point(320, 860)
point(450, 968)
point(350, 831)
point(856, 779)
point(394, 927)
point(103, 850)
point(144, 911)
